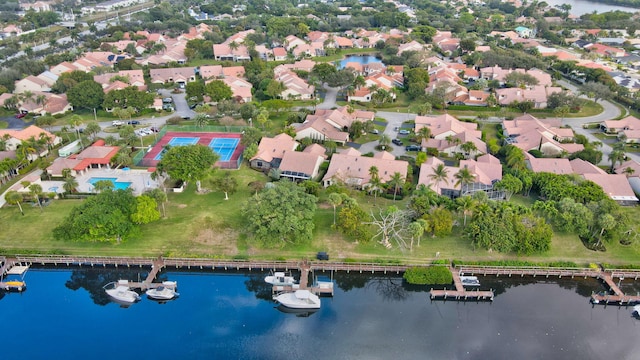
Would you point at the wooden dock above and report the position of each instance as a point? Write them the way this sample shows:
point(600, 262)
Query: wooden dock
point(460, 293)
point(618, 296)
point(316, 288)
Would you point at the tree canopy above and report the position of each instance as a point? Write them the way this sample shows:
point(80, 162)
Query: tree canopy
point(280, 214)
point(188, 163)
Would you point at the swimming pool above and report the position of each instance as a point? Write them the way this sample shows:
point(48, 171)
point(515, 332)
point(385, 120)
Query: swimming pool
point(119, 185)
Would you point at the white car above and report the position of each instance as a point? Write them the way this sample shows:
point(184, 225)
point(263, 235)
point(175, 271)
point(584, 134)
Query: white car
point(117, 123)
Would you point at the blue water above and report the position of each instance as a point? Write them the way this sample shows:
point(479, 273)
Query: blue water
point(65, 314)
point(364, 59)
point(119, 185)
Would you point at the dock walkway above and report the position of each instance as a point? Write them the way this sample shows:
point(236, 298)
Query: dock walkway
point(460, 293)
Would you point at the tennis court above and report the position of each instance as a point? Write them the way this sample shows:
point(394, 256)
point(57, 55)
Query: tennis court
point(227, 145)
point(224, 147)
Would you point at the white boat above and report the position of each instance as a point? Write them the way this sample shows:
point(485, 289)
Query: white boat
point(120, 291)
point(280, 279)
point(470, 280)
point(299, 299)
point(636, 310)
point(162, 293)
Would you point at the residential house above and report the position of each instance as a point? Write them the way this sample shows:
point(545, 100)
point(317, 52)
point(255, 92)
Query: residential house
point(222, 52)
point(604, 50)
point(41, 103)
point(279, 54)
point(630, 169)
point(62, 68)
point(271, 150)
point(180, 76)
point(302, 165)
point(530, 133)
point(453, 145)
point(264, 53)
point(524, 32)
point(351, 168)
point(537, 95)
point(410, 46)
point(125, 78)
point(32, 83)
point(295, 87)
point(616, 186)
point(445, 125)
point(15, 137)
point(627, 128)
point(292, 41)
point(486, 171)
point(173, 53)
point(473, 98)
point(240, 88)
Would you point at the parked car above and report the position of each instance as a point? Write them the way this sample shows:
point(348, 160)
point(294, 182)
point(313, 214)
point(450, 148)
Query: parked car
point(167, 100)
point(404, 132)
point(186, 117)
point(154, 129)
point(117, 123)
point(412, 148)
point(375, 131)
point(133, 122)
point(396, 128)
point(397, 142)
point(20, 115)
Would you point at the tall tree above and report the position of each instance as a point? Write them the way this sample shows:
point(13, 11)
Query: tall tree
point(228, 184)
point(36, 191)
point(397, 182)
point(464, 178)
point(280, 214)
point(188, 163)
point(15, 198)
point(334, 200)
point(440, 174)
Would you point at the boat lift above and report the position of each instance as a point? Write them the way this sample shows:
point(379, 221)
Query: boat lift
point(15, 285)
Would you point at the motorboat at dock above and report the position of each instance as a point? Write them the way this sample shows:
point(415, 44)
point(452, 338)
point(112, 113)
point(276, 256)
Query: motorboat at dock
point(299, 299)
point(121, 292)
point(166, 291)
point(469, 281)
point(280, 278)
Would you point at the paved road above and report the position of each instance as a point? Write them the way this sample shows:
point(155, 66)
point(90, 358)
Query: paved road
point(14, 123)
point(329, 98)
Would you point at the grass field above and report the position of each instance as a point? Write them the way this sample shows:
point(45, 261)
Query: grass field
point(3, 124)
point(205, 225)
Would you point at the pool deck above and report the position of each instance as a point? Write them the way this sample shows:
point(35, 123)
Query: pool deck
point(140, 179)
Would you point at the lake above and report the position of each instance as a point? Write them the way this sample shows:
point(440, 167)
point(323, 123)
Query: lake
point(65, 314)
point(581, 7)
point(362, 59)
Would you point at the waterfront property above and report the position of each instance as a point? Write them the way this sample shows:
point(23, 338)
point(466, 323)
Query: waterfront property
point(226, 145)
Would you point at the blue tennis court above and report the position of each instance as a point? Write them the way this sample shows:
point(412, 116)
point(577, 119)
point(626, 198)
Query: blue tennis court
point(183, 141)
point(224, 147)
point(178, 141)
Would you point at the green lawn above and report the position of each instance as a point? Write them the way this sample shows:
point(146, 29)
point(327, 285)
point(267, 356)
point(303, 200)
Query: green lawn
point(206, 225)
point(3, 124)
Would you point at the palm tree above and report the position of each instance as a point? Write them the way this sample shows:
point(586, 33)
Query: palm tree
point(384, 141)
point(616, 156)
point(397, 181)
point(14, 197)
point(468, 147)
point(70, 184)
point(36, 190)
point(628, 171)
point(374, 182)
point(465, 204)
point(201, 120)
point(334, 200)
point(423, 134)
point(440, 173)
point(74, 122)
point(452, 140)
point(464, 178)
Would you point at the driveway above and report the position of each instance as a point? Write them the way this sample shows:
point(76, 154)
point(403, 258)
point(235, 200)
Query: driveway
point(14, 123)
point(394, 119)
point(329, 98)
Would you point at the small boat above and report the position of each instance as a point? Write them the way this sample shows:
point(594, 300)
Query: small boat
point(296, 312)
point(15, 285)
point(162, 293)
point(299, 299)
point(636, 310)
point(469, 280)
point(121, 292)
point(281, 279)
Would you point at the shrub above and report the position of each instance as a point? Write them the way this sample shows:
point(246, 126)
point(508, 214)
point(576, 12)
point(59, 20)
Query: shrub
point(436, 275)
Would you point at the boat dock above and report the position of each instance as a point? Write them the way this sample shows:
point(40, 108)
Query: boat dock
point(318, 288)
point(618, 296)
point(460, 293)
point(10, 267)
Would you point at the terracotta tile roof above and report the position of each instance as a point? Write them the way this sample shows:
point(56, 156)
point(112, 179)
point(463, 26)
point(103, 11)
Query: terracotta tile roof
point(270, 148)
point(581, 167)
point(301, 162)
point(486, 170)
point(26, 133)
point(629, 164)
point(316, 149)
point(615, 185)
point(549, 165)
point(352, 168)
point(444, 124)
